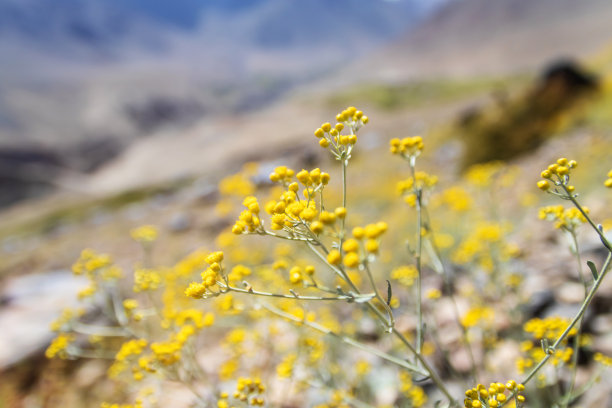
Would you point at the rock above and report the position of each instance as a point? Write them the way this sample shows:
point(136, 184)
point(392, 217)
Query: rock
point(180, 222)
point(539, 302)
point(602, 324)
point(28, 305)
point(571, 292)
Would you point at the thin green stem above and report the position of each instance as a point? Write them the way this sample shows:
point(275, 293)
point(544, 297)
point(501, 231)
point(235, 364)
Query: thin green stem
point(293, 295)
point(576, 250)
point(348, 340)
point(583, 308)
point(603, 238)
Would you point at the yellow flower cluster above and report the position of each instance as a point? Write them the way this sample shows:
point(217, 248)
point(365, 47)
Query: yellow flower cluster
point(146, 279)
point(285, 368)
point(249, 219)
point(169, 352)
point(65, 318)
point(210, 277)
point(248, 390)
point(59, 345)
point(603, 359)
point(548, 329)
point(109, 405)
point(238, 273)
point(477, 315)
point(405, 275)
point(608, 182)
point(483, 174)
point(494, 396)
point(412, 185)
point(456, 198)
point(297, 275)
point(564, 218)
point(350, 119)
point(407, 147)
point(93, 265)
point(558, 173)
point(365, 241)
point(145, 233)
point(415, 394)
point(486, 246)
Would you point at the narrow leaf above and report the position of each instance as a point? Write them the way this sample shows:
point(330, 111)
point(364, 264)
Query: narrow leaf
point(593, 269)
point(389, 293)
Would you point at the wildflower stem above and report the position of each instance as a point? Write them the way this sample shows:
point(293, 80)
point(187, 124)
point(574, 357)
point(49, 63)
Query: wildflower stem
point(603, 238)
point(400, 362)
point(349, 297)
point(103, 331)
point(575, 249)
point(419, 249)
point(583, 308)
point(391, 321)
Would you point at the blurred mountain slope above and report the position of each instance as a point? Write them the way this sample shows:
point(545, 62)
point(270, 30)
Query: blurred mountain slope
point(483, 37)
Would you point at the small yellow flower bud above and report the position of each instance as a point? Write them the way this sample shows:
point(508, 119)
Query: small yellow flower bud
point(358, 232)
point(372, 246)
point(350, 245)
point(293, 187)
point(303, 177)
point(323, 143)
point(365, 120)
point(608, 183)
point(543, 185)
point(562, 161)
point(562, 170)
point(546, 174)
point(339, 127)
point(326, 127)
point(316, 227)
point(352, 139)
point(319, 133)
point(274, 177)
point(324, 178)
point(351, 260)
point(334, 257)
point(340, 212)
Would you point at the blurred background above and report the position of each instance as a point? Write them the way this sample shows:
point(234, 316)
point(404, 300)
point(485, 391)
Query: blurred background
point(115, 113)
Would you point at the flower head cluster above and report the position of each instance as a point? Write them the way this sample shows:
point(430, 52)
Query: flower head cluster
point(477, 315)
point(603, 359)
point(405, 275)
point(547, 330)
point(331, 137)
point(248, 221)
point(407, 147)
point(495, 395)
point(564, 218)
point(145, 233)
point(365, 241)
point(557, 173)
point(59, 346)
point(608, 182)
point(211, 277)
point(414, 186)
point(415, 394)
point(248, 390)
